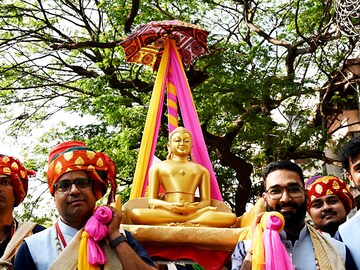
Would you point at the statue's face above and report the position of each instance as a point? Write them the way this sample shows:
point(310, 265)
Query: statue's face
point(181, 144)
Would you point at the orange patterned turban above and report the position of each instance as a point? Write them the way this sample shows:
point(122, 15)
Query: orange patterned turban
point(19, 176)
point(327, 185)
point(76, 156)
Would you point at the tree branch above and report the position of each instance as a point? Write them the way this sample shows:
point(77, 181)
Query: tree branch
point(130, 19)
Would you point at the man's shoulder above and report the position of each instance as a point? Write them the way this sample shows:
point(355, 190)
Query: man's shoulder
point(38, 228)
point(27, 225)
point(340, 246)
point(41, 235)
point(350, 224)
point(334, 241)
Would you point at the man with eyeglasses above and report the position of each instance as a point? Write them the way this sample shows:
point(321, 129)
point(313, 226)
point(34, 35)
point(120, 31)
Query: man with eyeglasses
point(78, 177)
point(14, 179)
point(307, 248)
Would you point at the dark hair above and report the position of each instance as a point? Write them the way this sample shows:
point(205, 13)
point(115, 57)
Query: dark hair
point(349, 151)
point(282, 165)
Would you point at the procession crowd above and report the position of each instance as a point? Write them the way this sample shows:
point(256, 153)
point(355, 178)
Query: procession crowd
point(315, 220)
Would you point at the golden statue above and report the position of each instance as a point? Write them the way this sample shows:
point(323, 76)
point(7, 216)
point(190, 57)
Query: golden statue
point(180, 177)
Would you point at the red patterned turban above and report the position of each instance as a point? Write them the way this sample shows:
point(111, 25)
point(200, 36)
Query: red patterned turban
point(328, 185)
point(18, 174)
point(76, 156)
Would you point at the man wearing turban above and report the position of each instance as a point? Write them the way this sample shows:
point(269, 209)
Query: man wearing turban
point(306, 247)
point(77, 177)
point(330, 202)
point(13, 189)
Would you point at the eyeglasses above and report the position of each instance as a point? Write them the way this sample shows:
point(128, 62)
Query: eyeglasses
point(64, 186)
point(276, 193)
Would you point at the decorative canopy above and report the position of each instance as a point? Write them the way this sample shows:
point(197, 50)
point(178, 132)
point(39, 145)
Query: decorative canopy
point(146, 45)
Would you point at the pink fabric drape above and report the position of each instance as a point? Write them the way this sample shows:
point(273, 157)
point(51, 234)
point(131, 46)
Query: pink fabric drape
point(156, 134)
point(276, 256)
point(190, 118)
point(97, 229)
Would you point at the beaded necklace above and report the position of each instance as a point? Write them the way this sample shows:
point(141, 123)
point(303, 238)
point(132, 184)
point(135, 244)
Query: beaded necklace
point(57, 240)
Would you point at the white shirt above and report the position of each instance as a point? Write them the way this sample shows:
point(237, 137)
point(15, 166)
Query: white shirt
point(43, 247)
point(350, 234)
point(301, 253)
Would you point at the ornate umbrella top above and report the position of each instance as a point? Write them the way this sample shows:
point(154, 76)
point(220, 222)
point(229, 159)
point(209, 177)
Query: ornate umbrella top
point(146, 45)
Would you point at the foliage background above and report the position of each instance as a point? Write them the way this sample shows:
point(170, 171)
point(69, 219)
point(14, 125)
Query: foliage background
point(265, 92)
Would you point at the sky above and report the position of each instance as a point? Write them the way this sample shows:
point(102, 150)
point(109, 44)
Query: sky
point(12, 147)
point(10, 150)
point(8, 146)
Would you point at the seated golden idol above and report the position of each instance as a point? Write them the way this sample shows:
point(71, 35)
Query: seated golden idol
point(180, 177)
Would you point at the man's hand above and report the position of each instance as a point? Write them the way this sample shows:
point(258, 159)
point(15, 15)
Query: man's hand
point(256, 222)
point(114, 224)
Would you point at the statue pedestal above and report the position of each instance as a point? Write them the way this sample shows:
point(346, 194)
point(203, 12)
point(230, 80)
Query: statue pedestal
point(210, 247)
point(198, 237)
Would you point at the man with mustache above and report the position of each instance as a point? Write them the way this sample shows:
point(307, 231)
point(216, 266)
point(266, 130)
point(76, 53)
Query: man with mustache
point(14, 179)
point(78, 177)
point(330, 202)
point(307, 248)
point(349, 231)
point(350, 160)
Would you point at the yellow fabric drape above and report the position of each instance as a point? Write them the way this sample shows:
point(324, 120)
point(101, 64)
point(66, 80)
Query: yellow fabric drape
point(83, 263)
point(171, 89)
point(149, 130)
point(258, 258)
point(248, 219)
point(258, 248)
